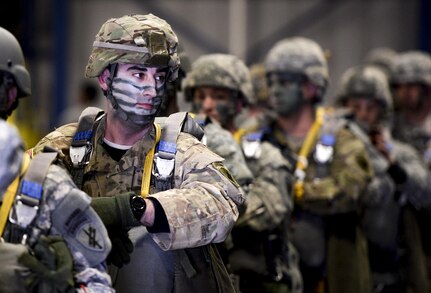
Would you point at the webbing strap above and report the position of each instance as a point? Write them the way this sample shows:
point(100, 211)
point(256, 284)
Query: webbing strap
point(10, 193)
point(168, 143)
point(302, 162)
point(148, 164)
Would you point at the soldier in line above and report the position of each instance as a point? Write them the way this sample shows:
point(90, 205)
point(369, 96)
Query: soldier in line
point(332, 169)
point(51, 239)
point(397, 187)
point(176, 195)
point(219, 86)
point(411, 87)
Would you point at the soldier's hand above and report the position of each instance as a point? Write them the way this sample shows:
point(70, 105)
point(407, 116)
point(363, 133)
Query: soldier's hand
point(50, 265)
point(122, 247)
point(115, 211)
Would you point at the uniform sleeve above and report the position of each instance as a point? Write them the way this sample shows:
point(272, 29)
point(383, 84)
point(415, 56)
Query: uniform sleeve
point(415, 189)
point(269, 197)
point(348, 176)
point(71, 216)
point(202, 208)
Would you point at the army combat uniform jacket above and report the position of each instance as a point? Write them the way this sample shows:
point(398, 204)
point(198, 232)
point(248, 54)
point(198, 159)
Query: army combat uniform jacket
point(200, 209)
point(65, 211)
point(326, 225)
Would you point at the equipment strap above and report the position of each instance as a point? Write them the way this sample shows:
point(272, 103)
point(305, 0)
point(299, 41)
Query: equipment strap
point(10, 193)
point(302, 163)
point(148, 164)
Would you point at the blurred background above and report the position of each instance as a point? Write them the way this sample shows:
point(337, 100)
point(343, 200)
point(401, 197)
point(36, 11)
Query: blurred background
point(57, 36)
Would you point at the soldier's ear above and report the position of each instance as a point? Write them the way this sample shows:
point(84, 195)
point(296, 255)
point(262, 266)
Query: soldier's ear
point(103, 79)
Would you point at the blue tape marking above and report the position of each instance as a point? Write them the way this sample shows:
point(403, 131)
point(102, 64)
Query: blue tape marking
point(83, 135)
point(32, 189)
point(168, 147)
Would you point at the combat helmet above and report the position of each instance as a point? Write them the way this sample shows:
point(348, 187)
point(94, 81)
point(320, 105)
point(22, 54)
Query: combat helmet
point(299, 55)
point(412, 67)
point(219, 70)
point(12, 149)
point(12, 63)
point(141, 39)
point(365, 81)
point(382, 57)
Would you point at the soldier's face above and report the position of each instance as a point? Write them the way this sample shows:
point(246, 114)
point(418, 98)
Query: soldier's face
point(139, 91)
point(217, 103)
point(366, 111)
point(408, 96)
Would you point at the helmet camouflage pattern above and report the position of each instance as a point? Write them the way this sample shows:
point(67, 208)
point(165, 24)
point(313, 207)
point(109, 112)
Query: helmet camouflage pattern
point(365, 81)
point(412, 67)
point(12, 62)
point(258, 79)
point(383, 58)
point(299, 55)
point(138, 39)
point(219, 70)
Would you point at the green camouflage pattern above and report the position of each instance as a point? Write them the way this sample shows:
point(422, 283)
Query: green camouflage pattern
point(221, 142)
point(348, 174)
point(412, 67)
point(365, 81)
point(219, 70)
point(136, 31)
point(299, 55)
point(202, 207)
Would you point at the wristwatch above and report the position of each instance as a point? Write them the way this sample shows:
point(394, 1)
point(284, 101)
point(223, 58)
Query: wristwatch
point(138, 206)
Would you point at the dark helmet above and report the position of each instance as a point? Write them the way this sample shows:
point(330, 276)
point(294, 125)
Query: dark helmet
point(12, 62)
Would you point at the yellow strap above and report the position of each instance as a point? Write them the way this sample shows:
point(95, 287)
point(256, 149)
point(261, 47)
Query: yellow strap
point(148, 165)
point(239, 134)
point(10, 193)
point(302, 163)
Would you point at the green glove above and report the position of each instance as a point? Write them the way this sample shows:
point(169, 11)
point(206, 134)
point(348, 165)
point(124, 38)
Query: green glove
point(115, 212)
point(121, 249)
point(50, 265)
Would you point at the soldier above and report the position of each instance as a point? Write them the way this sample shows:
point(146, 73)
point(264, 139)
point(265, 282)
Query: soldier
point(62, 211)
point(398, 184)
point(49, 253)
point(189, 199)
point(332, 169)
point(219, 85)
point(382, 57)
point(411, 86)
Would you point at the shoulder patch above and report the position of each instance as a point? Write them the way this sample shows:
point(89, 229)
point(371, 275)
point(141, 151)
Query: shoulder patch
point(226, 173)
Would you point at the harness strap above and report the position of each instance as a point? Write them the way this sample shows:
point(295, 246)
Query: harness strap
point(148, 164)
point(9, 196)
point(302, 163)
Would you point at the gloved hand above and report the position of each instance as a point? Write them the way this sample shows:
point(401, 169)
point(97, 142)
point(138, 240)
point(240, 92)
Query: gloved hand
point(50, 265)
point(122, 247)
point(115, 211)
point(116, 214)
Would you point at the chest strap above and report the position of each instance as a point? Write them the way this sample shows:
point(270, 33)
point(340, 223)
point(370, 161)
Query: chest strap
point(29, 195)
point(10, 193)
point(148, 164)
point(81, 146)
point(302, 163)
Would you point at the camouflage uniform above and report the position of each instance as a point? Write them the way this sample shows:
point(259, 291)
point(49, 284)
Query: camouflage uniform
point(259, 253)
point(200, 209)
point(65, 211)
point(390, 198)
point(414, 67)
point(326, 223)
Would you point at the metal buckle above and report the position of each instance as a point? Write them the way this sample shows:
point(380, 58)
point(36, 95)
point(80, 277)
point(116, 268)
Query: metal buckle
point(251, 148)
point(80, 154)
point(23, 214)
point(163, 168)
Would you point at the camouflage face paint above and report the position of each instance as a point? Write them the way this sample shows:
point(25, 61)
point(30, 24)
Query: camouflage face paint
point(139, 109)
point(285, 99)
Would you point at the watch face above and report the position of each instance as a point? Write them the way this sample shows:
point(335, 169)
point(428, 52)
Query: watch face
point(138, 206)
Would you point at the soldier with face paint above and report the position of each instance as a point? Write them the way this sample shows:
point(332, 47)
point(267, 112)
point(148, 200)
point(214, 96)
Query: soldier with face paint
point(332, 169)
point(219, 86)
point(172, 226)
